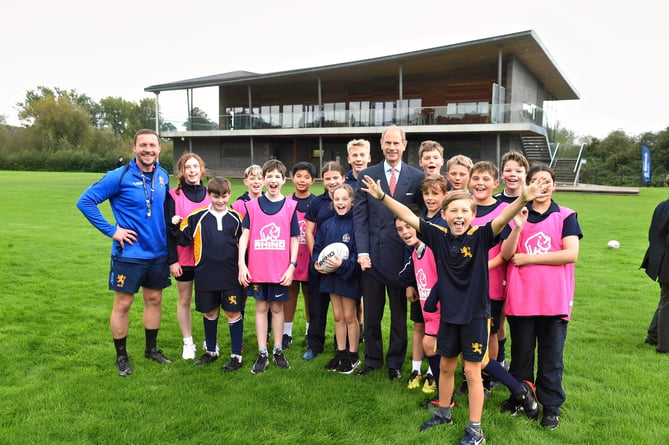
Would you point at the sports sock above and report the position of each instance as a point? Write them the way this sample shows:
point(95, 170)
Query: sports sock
point(288, 328)
point(502, 375)
point(151, 338)
point(188, 340)
point(277, 349)
point(434, 366)
point(238, 356)
point(501, 353)
point(415, 365)
point(444, 411)
point(476, 426)
point(210, 333)
point(119, 345)
point(236, 335)
point(306, 330)
point(262, 351)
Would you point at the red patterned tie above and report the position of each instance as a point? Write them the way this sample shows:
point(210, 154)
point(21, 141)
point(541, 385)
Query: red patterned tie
point(393, 181)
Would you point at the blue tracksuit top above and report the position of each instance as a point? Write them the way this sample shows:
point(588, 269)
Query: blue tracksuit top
point(128, 191)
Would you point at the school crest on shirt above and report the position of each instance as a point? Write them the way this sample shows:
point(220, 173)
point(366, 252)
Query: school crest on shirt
point(346, 238)
point(269, 238)
point(538, 243)
point(466, 252)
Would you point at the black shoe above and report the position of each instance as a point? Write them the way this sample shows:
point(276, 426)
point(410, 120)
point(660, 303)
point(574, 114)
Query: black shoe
point(157, 356)
point(286, 341)
point(348, 365)
point(394, 374)
point(529, 401)
point(511, 406)
point(123, 366)
point(438, 419)
point(463, 389)
point(650, 341)
point(366, 370)
point(233, 365)
point(206, 359)
point(550, 421)
point(334, 363)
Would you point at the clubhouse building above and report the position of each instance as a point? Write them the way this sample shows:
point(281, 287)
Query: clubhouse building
point(479, 98)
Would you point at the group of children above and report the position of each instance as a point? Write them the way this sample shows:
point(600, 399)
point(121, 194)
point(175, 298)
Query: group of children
point(472, 259)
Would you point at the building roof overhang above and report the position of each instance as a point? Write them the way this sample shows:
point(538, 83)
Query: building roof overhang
point(525, 46)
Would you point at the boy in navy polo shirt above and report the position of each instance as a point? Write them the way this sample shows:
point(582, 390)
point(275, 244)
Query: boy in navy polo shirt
point(461, 253)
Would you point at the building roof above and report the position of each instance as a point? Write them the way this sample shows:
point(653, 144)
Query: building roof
point(525, 45)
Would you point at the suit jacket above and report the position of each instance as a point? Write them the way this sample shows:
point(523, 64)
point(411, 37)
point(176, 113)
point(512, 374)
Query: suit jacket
point(656, 260)
point(375, 231)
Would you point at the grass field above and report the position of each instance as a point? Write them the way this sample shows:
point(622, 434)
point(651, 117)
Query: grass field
point(59, 383)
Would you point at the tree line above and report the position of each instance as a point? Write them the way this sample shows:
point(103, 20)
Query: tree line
point(63, 130)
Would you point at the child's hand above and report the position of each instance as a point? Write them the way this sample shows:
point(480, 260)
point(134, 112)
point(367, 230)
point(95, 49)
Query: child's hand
point(287, 277)
point(536, 189)
point(244, 275)
point(412, 294)
point(521, 218)
point(334, 262)
point(176, 220)
point(521, 259)
point(371, 187)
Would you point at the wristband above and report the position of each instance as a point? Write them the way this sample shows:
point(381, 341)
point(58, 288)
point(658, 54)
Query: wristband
point(293, 263)
point(383, 197)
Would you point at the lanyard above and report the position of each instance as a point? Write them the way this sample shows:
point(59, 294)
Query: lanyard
point(147, 197)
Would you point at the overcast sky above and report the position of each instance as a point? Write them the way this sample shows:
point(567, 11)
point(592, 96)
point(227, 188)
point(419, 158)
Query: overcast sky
point(615, 56)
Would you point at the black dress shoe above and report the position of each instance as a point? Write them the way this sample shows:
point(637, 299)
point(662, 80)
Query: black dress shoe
point(366, 370)
point(394, 374)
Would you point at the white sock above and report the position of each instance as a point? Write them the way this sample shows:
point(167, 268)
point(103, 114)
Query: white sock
point(415, 365)
point(188, 340)
point(239, 357)
point(288, 328)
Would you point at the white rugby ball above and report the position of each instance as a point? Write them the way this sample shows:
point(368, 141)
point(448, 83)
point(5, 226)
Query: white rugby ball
point(339, 250)
point(613, 244)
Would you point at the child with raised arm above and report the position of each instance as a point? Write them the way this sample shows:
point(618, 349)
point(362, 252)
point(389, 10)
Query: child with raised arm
point(269, 234)
point(542, 249)
point(343, 284)
point(304, 176)
point(461, 253)
point(215, 230)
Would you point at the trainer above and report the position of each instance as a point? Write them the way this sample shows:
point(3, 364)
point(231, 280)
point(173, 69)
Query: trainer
point(136, 193)
point(381, 252)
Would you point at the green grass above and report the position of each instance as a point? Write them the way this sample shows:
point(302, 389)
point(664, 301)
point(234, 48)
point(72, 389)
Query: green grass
point(59, 384)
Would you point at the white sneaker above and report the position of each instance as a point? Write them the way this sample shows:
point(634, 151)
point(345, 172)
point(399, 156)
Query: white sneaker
point(188, 352)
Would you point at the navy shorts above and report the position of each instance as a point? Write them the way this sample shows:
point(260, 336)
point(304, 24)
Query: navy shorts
point(496, 308)
point(129, 275)
point(230, 300)
point(469, 339)
point(187, 273)
point(269, 292)
point(416, 312)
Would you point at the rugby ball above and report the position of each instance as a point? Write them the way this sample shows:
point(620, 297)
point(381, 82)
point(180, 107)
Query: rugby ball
point(339, 250)
point(613, 244)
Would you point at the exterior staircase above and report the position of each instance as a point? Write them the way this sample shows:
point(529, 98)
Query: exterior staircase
point(536, 148)
point(566, 171)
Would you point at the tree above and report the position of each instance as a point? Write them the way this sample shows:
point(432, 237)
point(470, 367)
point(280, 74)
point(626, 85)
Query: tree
point(199, 121)
point(57, 119)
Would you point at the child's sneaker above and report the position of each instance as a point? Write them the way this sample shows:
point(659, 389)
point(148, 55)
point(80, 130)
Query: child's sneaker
point(206, 358)
point(430, 384)
point(472, 437)
point(280, 359)
point(338, 359)
point(233, 365)
point(437, 419)
point(286, 341)
point(348, 365)
point(188, 351)
point(261, 364)
point(550, 421)
point(414, 380)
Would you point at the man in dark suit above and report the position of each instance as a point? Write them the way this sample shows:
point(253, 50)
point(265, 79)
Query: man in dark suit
point(381, 252)
point(656, 263)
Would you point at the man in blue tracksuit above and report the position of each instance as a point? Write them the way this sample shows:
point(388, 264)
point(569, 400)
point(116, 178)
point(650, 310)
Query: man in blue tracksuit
point(136, 193)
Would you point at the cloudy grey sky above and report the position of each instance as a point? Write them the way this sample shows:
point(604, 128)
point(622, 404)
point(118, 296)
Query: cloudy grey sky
point(615, 56)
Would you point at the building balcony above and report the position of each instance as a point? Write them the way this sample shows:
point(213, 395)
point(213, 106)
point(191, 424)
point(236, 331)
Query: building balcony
point(449, 118)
